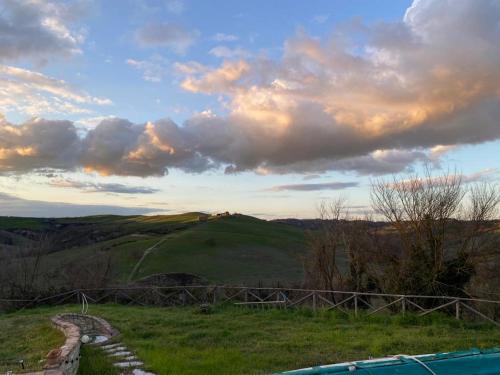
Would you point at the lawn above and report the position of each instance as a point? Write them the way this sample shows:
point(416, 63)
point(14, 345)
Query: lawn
point(234, 340)
point(27, 336)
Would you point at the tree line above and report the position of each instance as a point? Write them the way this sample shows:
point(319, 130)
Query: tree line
point(440, 237)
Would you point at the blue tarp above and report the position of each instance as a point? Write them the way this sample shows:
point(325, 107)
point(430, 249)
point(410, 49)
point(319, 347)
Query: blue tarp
point(470, 362)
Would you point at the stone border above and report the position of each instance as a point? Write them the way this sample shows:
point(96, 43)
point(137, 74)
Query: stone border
point(66, 359)
point(88, 324)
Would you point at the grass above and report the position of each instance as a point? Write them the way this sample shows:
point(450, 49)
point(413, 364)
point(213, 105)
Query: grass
point(11, 222)
point(27, 336)
point(93, 361)
point(234, 340)
point(136, 222)
point(124, 252)
point(238, 250)
point(234, 250)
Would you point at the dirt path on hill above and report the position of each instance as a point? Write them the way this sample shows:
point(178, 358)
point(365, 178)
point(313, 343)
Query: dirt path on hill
point(144, 255)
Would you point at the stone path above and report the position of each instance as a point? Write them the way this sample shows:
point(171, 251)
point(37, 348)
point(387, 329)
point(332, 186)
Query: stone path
point(124, 358)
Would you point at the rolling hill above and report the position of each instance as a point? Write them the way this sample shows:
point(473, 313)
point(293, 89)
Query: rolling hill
point(234, 249)
point(238, 249)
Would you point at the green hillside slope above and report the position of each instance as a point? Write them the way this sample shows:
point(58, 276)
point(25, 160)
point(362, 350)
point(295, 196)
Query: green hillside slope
point(230, 249)
point(239, 249)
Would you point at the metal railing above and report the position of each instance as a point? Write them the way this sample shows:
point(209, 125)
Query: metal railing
point(345, 301)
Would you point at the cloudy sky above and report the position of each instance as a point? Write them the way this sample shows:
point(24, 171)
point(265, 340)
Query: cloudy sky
point(261, 107)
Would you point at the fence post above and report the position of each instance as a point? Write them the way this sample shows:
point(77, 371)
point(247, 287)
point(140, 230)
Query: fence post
point(355, 304)
point(183, 295)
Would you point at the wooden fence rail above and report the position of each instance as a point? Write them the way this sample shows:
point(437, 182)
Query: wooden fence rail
point(345, 301)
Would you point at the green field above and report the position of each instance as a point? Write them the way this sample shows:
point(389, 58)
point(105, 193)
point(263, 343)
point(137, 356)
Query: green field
point(234, 340)
point(236, 249)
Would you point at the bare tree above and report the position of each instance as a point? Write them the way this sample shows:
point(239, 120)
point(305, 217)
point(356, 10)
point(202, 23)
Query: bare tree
point(358, 247)
point(440, 226)
point(322, 269)
point(94, 272)
point(337, 257)
point(22, 272)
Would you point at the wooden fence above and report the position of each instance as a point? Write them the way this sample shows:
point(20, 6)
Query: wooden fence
point(261, 297)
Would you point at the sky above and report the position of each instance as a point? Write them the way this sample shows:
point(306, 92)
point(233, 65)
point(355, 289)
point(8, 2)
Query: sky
point(261, 107)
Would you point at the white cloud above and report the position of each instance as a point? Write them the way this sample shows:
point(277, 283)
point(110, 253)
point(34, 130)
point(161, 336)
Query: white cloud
point(438, 151)
point(321, 18)
point(14, 206)
point(221, 37)
point(100, 187)
point(38, 144)
point(487, 174)
point(230, 53)
point(33, 93)
point(316, 187)
point(190, 68)
point(114, 147)
point(216, 80)
point(117, 147)
point(92, 122)
point(308, 177)
point(431, 79)
point(175, 6)
point(482, 175)
point(39, 29)
point(166, 35)
point(153, 70)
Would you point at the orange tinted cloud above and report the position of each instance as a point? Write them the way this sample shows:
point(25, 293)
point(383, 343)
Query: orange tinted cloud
point(429, 80)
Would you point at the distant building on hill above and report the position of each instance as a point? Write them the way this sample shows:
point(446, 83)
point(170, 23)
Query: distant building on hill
point(222, 214)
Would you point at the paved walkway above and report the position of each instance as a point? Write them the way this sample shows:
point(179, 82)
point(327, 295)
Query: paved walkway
point(125, 359)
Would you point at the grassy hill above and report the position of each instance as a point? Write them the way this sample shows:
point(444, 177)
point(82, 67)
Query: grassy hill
point(238, 249)
point(229, 249)
point(234, 340)
point(234, 249)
